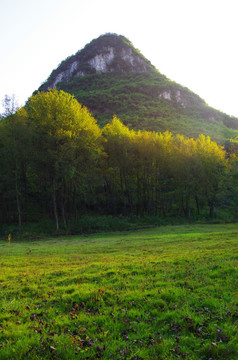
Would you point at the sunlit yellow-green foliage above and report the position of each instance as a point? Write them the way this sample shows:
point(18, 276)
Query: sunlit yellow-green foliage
point(157, 169)
point(63, 130)
point(56, 160)
point(62, 143)
point(59, 114)
point(65, 137)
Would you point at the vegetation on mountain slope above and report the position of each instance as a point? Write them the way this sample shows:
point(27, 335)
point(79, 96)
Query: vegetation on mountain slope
point(55, 162)
point(131, 88)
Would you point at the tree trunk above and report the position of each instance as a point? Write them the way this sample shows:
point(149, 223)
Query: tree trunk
point(55, 209)
point(211, 207)
point(18, 203)
point(74, 192)
point(211, 204)
point(138, 191)
point(188, 208)
point(197, 204)
point(63, 210)
point(128, 195)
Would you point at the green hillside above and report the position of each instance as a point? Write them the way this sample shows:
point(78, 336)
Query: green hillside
point(110, 76)
point(135, 99)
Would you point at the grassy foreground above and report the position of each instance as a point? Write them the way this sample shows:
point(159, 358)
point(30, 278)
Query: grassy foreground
point(164, 293)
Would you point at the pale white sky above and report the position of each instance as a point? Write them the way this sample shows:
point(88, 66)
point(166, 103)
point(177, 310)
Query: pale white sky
point(193, 42)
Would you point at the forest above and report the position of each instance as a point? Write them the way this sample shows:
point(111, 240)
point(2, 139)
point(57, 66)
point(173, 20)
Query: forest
point(57, 163)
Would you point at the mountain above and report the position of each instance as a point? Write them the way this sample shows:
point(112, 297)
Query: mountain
point(110, 76)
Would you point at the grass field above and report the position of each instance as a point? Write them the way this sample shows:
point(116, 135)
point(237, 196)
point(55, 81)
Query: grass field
point(164, 293)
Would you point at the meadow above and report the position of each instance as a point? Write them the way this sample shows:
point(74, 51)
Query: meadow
point(169, 292)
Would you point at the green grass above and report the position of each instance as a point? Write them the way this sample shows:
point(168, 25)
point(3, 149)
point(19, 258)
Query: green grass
point(164, 293)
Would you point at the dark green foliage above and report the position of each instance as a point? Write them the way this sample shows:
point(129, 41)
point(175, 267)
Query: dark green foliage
point(86, 224)
point(57, 163)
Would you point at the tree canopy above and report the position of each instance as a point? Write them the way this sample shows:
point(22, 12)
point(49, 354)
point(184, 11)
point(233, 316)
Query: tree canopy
point(56, 162)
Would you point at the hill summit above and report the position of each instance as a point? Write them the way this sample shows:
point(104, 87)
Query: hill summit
point(108, 53)
point(110, 76)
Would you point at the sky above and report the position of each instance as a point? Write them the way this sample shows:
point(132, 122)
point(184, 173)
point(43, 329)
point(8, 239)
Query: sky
point(192, 42)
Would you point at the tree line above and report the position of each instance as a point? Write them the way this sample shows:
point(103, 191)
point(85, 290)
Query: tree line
point(56, 162)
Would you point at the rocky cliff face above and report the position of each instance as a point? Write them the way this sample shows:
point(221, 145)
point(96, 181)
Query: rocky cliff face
point(110, 76)
point(108, 53)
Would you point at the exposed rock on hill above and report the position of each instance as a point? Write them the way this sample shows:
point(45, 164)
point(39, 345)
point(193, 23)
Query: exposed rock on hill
point(110, 76)
point(108, 53)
